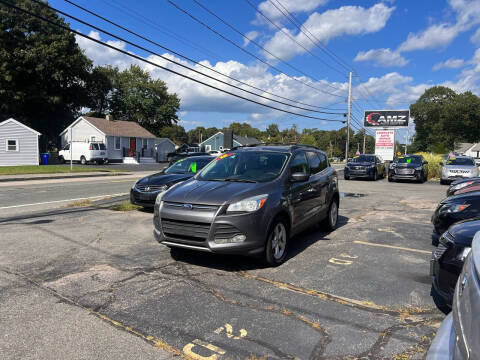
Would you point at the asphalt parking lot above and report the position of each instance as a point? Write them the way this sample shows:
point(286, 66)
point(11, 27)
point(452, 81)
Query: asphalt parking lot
point(89, 282)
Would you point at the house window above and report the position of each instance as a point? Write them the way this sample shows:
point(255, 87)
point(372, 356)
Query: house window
point(117, 143)
point(93, 139)
point(145, 143)
point(12, 145)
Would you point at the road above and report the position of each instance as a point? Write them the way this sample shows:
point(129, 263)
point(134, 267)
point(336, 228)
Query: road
point(361, 291)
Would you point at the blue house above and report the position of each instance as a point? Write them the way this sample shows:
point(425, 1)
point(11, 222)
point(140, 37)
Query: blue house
point(215, 142)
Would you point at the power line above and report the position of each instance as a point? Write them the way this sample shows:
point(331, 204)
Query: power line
point(318, 43)
point(166, 58)
point(154, 64)
point(289, 36)
point(196, 62)
point(248, 52)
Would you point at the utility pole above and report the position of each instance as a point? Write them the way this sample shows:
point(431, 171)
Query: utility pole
point(71, 148)
point(364, 136)
point(349, 106)
point(406, 142)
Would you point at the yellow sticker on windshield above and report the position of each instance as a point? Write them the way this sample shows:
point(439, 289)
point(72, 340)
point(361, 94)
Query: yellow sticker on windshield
point(355, 157)
point(179, 161)
point(401, 157)
point(224, 156)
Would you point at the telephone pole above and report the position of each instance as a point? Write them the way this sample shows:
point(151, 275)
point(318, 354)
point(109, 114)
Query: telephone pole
point(406, 142)
point(349, 105)
point(364, 136)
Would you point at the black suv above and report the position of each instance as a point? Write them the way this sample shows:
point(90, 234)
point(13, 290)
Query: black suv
point(250, 201)
point(408, 167)
point(368, 165)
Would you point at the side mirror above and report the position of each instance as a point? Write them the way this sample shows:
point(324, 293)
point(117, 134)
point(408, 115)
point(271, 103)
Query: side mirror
point(299, 177)
point(425, 163)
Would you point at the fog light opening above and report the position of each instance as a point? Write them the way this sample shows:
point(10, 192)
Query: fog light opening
point(235, 239)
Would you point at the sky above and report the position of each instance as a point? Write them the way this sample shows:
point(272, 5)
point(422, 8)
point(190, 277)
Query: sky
point(396, 49)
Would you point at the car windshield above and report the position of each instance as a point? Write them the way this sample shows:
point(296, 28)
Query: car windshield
point(409, 160)
point(187, 165)
point(460, 161)
point(245, 166)
point(363, 158)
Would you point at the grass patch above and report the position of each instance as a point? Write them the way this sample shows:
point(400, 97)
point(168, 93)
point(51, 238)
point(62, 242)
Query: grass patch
point(50, 169)
point(125, 206)
point(80, 203)
point(434, 164)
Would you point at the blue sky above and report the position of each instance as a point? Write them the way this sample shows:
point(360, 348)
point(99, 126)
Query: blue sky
point(396, 48)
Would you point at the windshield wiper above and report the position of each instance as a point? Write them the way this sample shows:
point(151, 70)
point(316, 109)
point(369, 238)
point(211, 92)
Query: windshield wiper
point(241, 180)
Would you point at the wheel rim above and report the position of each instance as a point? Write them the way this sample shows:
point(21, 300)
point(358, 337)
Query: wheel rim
point(279, 241)
point(333, 214)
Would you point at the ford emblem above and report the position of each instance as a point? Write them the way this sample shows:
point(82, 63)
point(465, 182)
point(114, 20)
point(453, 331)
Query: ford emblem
point(188, 206)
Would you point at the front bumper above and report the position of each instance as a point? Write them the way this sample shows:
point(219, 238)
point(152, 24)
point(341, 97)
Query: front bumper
point(440, 279)
point(145, 199)
point(364, 172)
point(415, 175)
point(198, 230)
point(443, 346)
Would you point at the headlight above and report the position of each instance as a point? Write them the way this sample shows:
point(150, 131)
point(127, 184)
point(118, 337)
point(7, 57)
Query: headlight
point(250, 204)
point(392, 165)
point(475, 172)
point(444, 169)
point(420, 168)
point(158, 199)
point(462, 255)
point(453, 208)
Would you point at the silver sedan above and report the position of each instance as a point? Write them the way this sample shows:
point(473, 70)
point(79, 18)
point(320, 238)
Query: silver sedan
point(458, 167)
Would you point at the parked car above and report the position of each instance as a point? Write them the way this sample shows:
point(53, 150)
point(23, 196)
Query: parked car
point(458, 336)
point(179, 156)
point(369, 166)
point(84, 152)
point(250, 201)
point(454, 209)
point(145, 191)
point(460, 184)
point(447, 261)
point(408, 167)
point(458, 167)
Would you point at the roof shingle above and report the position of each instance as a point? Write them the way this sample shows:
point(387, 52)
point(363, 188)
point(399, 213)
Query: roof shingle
point(119, 127)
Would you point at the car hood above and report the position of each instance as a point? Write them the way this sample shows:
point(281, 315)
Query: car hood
point(464, 231)
point(459, 181)
point(214, 192)
point(364, 163)
point(162, 178)
point(461, 198)
point(407, 166)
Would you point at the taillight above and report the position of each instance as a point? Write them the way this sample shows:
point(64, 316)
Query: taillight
point(91, 147)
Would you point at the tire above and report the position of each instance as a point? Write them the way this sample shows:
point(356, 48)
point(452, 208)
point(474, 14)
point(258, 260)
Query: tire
point(390, 179)
point(276, 247)
point(440, 301)
point(346, 177)
point(61, 160)
point(83, 161)
point(443, 182)
point(374, 176)
point(331, 221)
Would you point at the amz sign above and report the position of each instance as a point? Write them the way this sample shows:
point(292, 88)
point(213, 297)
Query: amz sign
point(386, 118)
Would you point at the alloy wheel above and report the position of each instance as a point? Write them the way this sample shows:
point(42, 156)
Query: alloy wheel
point(279, 241)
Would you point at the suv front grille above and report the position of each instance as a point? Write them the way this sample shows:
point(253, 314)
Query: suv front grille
point(197, 207)
point(185, 230)
point(151, 188)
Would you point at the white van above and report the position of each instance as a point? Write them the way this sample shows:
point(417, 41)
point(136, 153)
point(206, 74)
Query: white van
point(84, 152)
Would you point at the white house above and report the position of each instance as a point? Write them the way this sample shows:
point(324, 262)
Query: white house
point(468, 149)
point(18, 144)
point(126, 141)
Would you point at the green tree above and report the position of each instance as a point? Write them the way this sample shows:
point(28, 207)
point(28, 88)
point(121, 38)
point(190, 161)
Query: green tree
point(100, 88)
point(138, 97)
point(43, 71)
point(176, 133)
point(308, 139)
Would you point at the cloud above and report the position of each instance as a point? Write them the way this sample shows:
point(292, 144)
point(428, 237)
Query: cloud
point(292, 6)
point(251, 35)
point(382, 57)
point(346, 20)
point(475, 38)
point(433, 37)
point(449, 64)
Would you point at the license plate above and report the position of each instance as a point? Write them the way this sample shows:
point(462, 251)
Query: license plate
point(102, 153)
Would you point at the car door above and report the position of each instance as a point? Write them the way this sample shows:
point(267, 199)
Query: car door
point(318, 182)
point(299, 191)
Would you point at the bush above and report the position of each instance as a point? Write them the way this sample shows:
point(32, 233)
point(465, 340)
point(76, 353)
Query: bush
point(434, 164)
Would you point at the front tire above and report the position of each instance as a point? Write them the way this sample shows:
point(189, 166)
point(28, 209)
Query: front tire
point(390, 179)
point(374, 176)
point(61, 160)
point(276, 248)
point(83, 161)
point(330, 223)
point(346, 177)
point(440, 301)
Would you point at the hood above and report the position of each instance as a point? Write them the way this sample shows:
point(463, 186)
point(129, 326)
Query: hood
point(459, 167)
point(407, 165)
point(459, 181)
point(363, 163)
point(214, 192)
point(461, 198)
point(162, 179)
point(467, 189)
point(464, 231)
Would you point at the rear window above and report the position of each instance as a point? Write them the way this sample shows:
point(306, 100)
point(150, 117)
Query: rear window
point(94, 146)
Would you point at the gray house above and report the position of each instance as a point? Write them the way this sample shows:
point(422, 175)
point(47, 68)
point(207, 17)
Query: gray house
point(126, 141)
point(215, 142)
point(18, 144)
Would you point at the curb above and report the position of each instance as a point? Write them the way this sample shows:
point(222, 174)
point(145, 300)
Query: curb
point(64, 176)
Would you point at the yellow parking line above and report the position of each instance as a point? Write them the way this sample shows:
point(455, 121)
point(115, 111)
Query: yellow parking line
point(392, 247)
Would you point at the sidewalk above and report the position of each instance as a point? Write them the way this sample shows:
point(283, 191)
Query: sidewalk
point(26, 177)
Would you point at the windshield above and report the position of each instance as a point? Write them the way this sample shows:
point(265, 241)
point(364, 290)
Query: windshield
point(409, 160)
point(460, 161)
point(187, 166)
point(245, 166)
point(363, 158)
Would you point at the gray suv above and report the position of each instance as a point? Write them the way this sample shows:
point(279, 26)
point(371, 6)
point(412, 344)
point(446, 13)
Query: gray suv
point(250, 201)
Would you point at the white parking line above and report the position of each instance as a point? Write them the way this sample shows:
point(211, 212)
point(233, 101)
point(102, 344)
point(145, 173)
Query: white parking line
point(67, 200)
point(392, 247)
